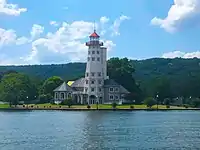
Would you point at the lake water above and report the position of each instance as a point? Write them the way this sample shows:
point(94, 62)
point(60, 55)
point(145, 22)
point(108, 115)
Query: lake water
point(63, 130)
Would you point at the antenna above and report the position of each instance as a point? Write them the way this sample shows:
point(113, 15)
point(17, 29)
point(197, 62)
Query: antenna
point(94, 27)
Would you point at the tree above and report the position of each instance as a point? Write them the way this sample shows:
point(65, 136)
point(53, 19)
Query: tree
point(114, 105)
point(45, 98)
point(15, 87)
point(149, 102)
point(68, 102)
point(50, 84)
point(121, 70)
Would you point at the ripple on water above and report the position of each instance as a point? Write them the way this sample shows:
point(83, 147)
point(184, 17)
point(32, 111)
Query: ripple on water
point(60, 130)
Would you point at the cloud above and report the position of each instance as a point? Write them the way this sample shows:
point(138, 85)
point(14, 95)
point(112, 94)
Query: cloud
point(179, 54)
point(103, 21)
point(10, 9)
point(116, 25)
point(66, 44)
point(54, 23)
point(179, 13)
point(36, 31)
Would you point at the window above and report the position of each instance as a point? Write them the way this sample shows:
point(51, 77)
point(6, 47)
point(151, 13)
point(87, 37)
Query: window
point(92, 82)
point(88, 58)
point(86, 89)
point(111, 89)
point(93, 46)
point(116, 89)
point(62, 95)
point(69, 95)
point(93, 74)
point(86, 81)
point(56, 95)
point(98, 59)
point(87, 74)
point(99, 74)
point(116, 97)
point(88, 52)
point(99, 81)
point(93, 52)
point(99, 89)
point(97, 52)
point(111, 97)
point(93, 59)
point(92, 89)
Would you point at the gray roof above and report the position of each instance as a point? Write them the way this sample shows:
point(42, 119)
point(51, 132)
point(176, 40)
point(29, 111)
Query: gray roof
point(78, 83)
point(111, 82)
point(64, 87)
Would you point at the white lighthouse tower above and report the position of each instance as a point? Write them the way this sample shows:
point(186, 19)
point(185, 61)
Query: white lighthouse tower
point(96, 70)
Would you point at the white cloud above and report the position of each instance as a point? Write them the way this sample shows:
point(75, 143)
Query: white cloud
point(180, 11)
point(117, 23)
point(54, 23)
point(10, 9)
point(179, 54)
point(103, 21)
point(66, 44)
point(36, 31)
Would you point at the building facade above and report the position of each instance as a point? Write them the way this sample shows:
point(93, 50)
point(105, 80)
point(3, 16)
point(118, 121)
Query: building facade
point(95, 87)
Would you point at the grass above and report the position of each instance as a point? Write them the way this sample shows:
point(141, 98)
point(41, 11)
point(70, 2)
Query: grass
point(100, 106)
point(4, 106)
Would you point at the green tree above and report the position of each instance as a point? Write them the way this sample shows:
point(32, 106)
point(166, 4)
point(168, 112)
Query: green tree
point(149, 102)
point(15, 87)
point(121, 70)
point(68, 102)
point(50, 84)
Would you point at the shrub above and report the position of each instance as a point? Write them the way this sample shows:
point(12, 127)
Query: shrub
point(185, 105)
point(24, 106)
point(67, 102)
point(114, 105)
point(60, 106)
point(167, 106)
point(149, 102)
point(88, 106)
point(131, 107)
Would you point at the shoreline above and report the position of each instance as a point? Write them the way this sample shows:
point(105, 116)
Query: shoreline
point(101, 109)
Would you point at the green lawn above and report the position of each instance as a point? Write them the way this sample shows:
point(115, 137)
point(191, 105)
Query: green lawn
point(4, 106)
point(103, 106)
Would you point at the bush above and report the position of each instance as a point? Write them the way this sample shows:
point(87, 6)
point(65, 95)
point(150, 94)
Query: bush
point(149, 102)
point(185, 105)
point(67, 102)
point(88, 106)
point(59, 106)
point(114, 105)
point(167, 106)
point(131, 107)
point(44, 98)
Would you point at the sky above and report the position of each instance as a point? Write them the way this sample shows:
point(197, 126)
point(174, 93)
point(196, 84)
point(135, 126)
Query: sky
point(55, 31)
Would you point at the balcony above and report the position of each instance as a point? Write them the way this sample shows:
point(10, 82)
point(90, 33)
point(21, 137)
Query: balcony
point(94, 43)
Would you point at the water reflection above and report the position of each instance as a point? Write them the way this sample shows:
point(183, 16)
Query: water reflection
point(50, 130)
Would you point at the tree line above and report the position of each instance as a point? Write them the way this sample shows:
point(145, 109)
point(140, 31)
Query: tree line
point(160, 79)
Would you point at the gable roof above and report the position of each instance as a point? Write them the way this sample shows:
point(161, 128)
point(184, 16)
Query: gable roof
point(78, 83)
point(64, 87)
point(111, 82)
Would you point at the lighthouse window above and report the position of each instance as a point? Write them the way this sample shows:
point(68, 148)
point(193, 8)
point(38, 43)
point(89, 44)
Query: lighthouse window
point(98, 59)
point(93, 52)
point(93, 59)
point(99, 81)
point(92, 82)
point(86, 81)
point(97, 52)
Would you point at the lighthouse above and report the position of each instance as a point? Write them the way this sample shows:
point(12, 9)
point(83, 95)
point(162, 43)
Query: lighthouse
point(96, 70)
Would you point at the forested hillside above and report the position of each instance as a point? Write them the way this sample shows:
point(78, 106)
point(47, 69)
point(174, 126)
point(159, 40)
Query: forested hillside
point(167, 77)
